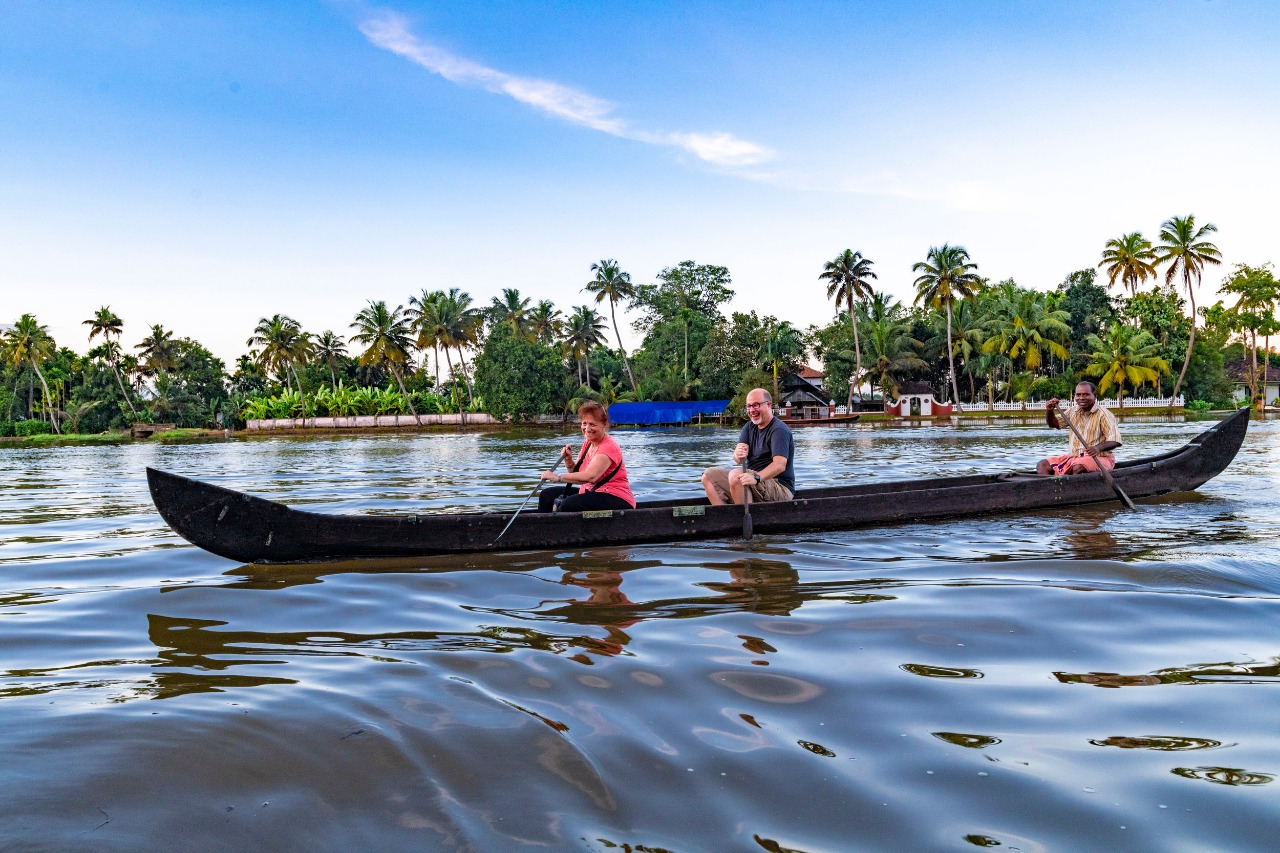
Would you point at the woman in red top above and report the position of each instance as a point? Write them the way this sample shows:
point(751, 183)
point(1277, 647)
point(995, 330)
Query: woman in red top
point(600, 472)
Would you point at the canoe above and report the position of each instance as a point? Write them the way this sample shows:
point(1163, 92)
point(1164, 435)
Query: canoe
point(255, 530)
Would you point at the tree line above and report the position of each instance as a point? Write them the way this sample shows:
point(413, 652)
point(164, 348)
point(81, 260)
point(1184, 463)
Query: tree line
point(970, 338)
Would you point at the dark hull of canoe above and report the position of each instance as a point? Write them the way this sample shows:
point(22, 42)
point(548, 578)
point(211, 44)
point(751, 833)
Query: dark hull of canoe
point(254, 530)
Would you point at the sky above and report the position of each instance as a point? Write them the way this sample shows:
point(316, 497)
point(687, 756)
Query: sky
point(202, 165)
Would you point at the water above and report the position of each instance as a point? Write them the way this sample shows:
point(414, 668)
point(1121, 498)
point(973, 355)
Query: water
point(1072, 679)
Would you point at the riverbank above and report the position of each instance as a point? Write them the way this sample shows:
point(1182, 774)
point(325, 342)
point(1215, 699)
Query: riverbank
point(112, 437)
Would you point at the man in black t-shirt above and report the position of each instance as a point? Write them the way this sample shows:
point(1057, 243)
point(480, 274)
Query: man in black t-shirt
point(766, 446)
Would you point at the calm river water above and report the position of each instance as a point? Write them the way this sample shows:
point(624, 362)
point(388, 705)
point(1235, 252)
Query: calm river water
point(1089, 679)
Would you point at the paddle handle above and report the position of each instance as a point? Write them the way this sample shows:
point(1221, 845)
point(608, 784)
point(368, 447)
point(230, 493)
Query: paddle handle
point(536, 489)
point(747, 527)
point(1106, 475)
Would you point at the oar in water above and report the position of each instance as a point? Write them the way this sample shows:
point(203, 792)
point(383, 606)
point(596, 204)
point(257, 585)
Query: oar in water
point(536, 489)
point(746, 507)
point(1106, 475)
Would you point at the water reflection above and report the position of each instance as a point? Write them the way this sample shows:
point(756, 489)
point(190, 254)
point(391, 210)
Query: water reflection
point(1159, 744)
point(1233, 776)
point(1216, 673)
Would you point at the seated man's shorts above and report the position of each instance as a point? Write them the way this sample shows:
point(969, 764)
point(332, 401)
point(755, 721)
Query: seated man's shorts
point(1063, 464)
point(764, 491)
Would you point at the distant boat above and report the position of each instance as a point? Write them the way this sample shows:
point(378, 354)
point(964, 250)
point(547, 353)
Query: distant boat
point(255, 530)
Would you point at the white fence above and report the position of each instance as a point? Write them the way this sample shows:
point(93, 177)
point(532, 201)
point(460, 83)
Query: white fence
point(1038, 405)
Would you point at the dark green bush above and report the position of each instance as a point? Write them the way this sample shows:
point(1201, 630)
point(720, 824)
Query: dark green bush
point(31, 427)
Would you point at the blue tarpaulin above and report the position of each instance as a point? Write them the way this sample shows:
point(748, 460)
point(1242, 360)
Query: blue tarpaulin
point(664, 413)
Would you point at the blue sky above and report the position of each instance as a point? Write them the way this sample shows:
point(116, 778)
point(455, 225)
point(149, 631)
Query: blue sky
point(201, 165)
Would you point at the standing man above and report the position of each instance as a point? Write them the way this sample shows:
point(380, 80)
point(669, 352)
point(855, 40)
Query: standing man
point(766, 446)
point(1095, 424)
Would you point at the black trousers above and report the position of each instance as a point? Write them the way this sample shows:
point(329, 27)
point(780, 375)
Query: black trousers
point(578, 501)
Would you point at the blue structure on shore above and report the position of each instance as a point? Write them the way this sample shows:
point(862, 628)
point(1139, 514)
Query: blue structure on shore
point(664, 413)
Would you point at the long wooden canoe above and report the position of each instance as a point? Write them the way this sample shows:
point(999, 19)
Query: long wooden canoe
point(254, 530)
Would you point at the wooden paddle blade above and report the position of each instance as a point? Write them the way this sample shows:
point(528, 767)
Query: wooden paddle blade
point(746, 522)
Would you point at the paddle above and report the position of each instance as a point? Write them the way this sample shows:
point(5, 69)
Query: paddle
point(746, 507)
point(1106, 475)
point(536, 489)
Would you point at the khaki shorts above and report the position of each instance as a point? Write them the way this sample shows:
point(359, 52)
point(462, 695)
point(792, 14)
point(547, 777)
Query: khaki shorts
point(764, 491)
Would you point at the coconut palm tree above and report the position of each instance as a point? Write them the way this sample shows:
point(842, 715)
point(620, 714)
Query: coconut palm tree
point(1254, 312)
point(106, 323)
point(459, 326)
point(29, 344)
point(424, 317)
point(385, 334)
point(615, 285)
point(1125, 354)
point(891, 352)
point(946, 276)
point(284, 347)
point(969, 331)
point(848, 278)
point(783, 346)
point(1024, 327)
point(584, 332)
point(330, 349)
point(546, 323)
point(511, 309)
point(158, 351)
point(1130, 258)
point(1186, 251)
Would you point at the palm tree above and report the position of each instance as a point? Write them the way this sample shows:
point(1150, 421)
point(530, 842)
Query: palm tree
point(29, 344)
point(1024, 327)
point(584, 332)
point(615, 285)
point(106, 323)
point(459, 326)
point(947, 275)
point(546, 322)
point(158, 351)
point(330, 349)
point(783, 346)
point(1125, 354)
point(511, 309)
point(968, 327)
point(1184, 248)
point(848, 278)
point(424, 315)
point(892, 352)
point(385, 335)
point(1129, 258)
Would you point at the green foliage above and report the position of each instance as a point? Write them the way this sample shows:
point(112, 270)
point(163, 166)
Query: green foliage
point(515, 377)
point(730, 354)
point(6, 428)
point(31, 426)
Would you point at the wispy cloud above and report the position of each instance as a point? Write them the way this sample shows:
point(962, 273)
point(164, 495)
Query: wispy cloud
point(390, 31)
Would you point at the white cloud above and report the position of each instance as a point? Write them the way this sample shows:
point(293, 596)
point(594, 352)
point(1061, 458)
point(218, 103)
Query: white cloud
point(390, 31)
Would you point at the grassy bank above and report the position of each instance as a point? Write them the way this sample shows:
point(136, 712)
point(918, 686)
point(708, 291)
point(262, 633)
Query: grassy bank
point(110, 437)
